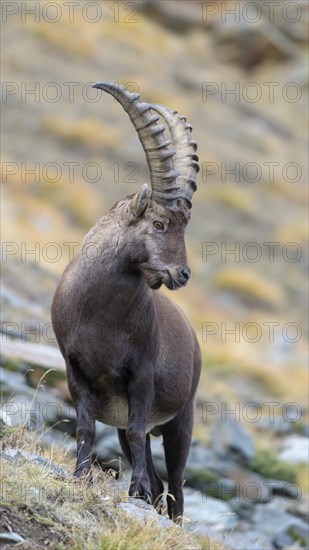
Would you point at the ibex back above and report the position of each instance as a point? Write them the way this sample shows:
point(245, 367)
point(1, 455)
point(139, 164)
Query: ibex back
point(132, 358)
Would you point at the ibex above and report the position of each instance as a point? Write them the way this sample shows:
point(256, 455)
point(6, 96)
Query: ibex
point(133, 360)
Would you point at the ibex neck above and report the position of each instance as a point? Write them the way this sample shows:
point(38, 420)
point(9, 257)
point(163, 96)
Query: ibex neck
point(110, 280)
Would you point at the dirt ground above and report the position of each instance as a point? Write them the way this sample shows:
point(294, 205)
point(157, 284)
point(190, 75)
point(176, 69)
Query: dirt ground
point(24, 524)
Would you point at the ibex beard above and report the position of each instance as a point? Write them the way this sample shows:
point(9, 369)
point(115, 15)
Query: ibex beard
point(132, 358)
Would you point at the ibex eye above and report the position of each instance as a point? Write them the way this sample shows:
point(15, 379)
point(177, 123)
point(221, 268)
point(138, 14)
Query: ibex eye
point(158, 225)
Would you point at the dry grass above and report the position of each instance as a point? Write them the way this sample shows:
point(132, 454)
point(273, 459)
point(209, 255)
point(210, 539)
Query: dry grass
point(67, 39)
point(210, 544)
point(70, 196)
point(295, 233)
point(296, 193)
point(83, 517)
point(250, 287)
point(232, 197)
point(87, 132)
point(303, 477)
point(39, 225)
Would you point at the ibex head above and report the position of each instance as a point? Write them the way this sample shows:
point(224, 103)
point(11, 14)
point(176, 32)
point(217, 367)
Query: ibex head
point(157, 217)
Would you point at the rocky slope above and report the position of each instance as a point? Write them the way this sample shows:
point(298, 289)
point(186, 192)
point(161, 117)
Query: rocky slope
point(68, 155)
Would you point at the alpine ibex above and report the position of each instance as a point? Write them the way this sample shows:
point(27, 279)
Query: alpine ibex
point(132, 358)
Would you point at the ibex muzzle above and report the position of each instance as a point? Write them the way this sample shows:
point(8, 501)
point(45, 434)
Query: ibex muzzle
point(132, 358)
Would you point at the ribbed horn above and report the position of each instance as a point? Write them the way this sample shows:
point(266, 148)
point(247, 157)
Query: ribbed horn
point(185, 160)
point(163, 175)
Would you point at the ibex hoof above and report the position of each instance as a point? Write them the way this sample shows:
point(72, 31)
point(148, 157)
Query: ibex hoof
point(84, 475)
point(140, 491)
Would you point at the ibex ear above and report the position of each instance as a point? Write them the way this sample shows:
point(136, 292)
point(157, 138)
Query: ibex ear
point(140, 200)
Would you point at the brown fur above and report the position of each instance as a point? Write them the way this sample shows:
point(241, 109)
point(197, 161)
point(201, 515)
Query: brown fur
point(132, 358)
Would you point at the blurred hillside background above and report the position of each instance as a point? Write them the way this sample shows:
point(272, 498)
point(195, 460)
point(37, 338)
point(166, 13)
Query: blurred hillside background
point(238, 71)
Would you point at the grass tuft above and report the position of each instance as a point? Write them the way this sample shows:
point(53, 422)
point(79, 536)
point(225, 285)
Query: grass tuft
point(268, 465)
point(69, 513)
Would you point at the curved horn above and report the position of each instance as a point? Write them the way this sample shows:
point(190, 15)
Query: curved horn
point(185, 161)
point(169, 183)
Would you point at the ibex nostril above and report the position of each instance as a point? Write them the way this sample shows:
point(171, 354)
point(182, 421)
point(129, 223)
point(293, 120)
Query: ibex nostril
point(186, 273)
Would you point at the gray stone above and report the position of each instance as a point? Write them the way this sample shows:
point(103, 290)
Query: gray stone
point(203, 512)
point(199, 457)
point(295, 449)
point(294, 21)
point(223, 488)
point(37, 408)
point(300, 507)
point(140, 510)
point(273, 519)
point(103, 430)
point(282, 540)
point(108, 452)
point(51, 437)
point(245, 540)
point(244, 508)
point(32, 353)
point(285, 489)
point(4, 419)
point(231, 440)
point(17, 455)
point(13, 538)
point(12, 382)
point(306, 430)
point(276, 425)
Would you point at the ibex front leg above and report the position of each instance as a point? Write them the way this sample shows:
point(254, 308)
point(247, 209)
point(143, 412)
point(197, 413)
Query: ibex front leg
point(140, 396)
